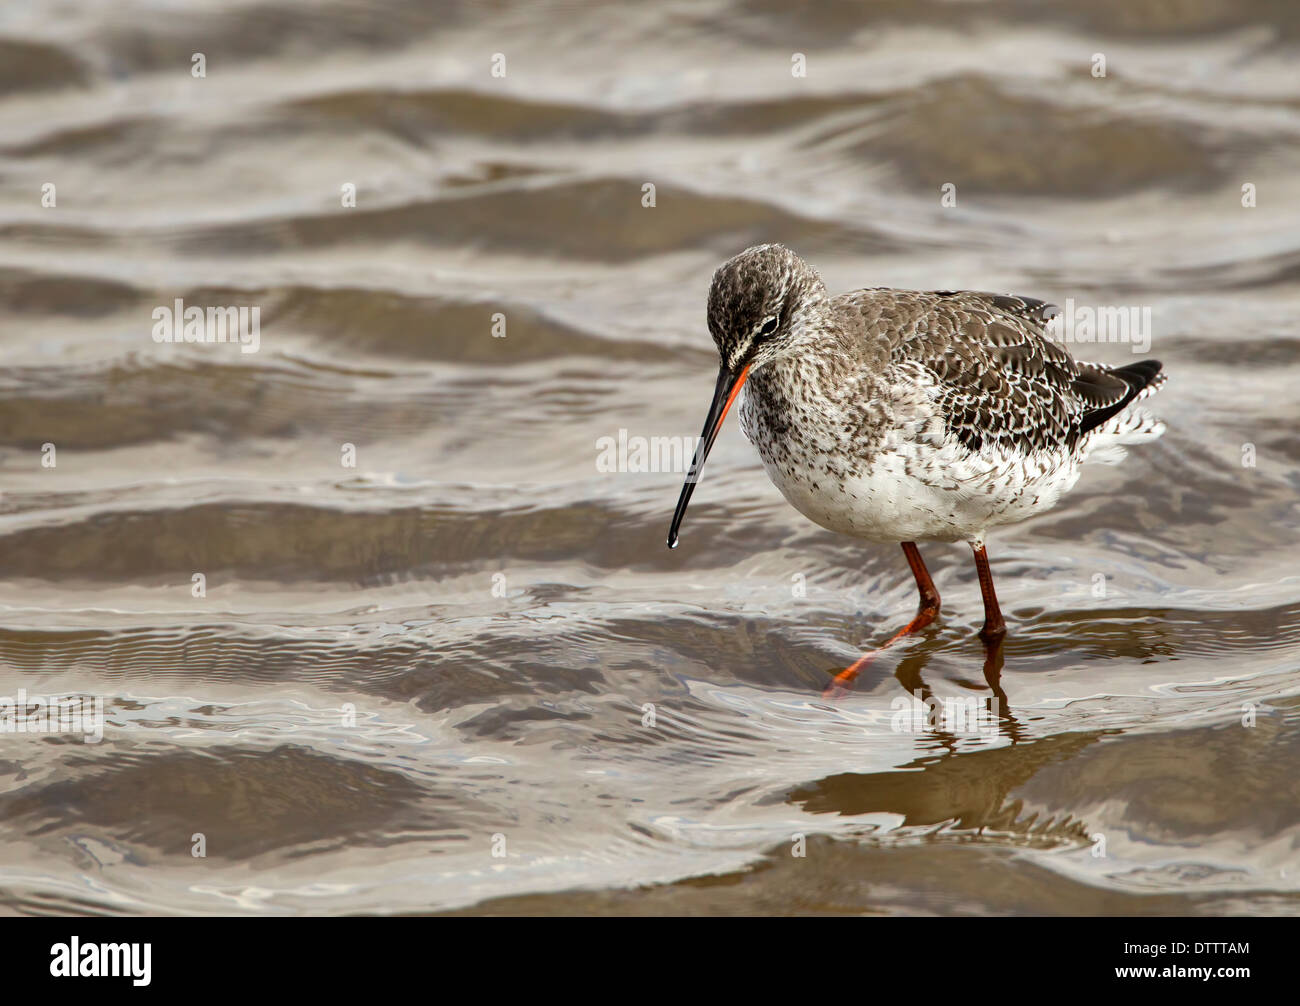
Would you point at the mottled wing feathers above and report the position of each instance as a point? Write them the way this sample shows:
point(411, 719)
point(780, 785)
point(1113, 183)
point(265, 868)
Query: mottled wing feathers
point(1001, 381)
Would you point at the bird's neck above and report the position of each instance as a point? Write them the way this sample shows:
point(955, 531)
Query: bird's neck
point(824, 363)
point(823, 378)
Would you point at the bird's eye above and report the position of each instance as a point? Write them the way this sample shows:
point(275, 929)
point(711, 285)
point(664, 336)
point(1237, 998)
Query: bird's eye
point(769, 326)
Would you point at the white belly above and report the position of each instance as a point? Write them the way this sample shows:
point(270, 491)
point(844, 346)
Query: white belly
point(915, 491)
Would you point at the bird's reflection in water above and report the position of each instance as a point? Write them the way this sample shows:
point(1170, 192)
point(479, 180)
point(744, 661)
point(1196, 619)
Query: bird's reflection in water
point(996, 709)
point(954, 783)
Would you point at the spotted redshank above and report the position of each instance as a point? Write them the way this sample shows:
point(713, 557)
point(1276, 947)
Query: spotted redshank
point(904, 416)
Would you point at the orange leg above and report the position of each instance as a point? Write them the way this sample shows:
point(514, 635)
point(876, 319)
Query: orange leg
point(926, 612)
point(994, 627)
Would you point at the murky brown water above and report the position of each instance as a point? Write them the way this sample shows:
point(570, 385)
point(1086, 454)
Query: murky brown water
point(496, 609)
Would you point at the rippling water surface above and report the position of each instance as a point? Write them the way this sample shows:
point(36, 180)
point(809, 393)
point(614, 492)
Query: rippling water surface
point(454, 648)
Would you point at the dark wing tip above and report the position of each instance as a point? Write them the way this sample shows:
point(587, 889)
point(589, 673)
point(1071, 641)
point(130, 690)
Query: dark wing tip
point(1137, 376)
point(1142, 373)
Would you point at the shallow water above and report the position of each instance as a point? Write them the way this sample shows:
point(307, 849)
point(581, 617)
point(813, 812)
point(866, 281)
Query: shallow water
point(454, 648)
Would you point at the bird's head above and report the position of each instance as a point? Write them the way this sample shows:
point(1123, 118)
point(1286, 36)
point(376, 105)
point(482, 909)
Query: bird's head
point(762, 306)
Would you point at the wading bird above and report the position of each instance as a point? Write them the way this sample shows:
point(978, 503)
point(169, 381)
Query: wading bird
point(907, 416)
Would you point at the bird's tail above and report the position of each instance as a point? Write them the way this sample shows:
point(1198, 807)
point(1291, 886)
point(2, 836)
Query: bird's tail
point(1129, 425)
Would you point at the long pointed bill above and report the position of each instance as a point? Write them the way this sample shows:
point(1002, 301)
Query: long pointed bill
point(728, 387)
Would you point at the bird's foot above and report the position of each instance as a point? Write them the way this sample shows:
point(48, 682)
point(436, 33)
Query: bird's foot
point(842, 682)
